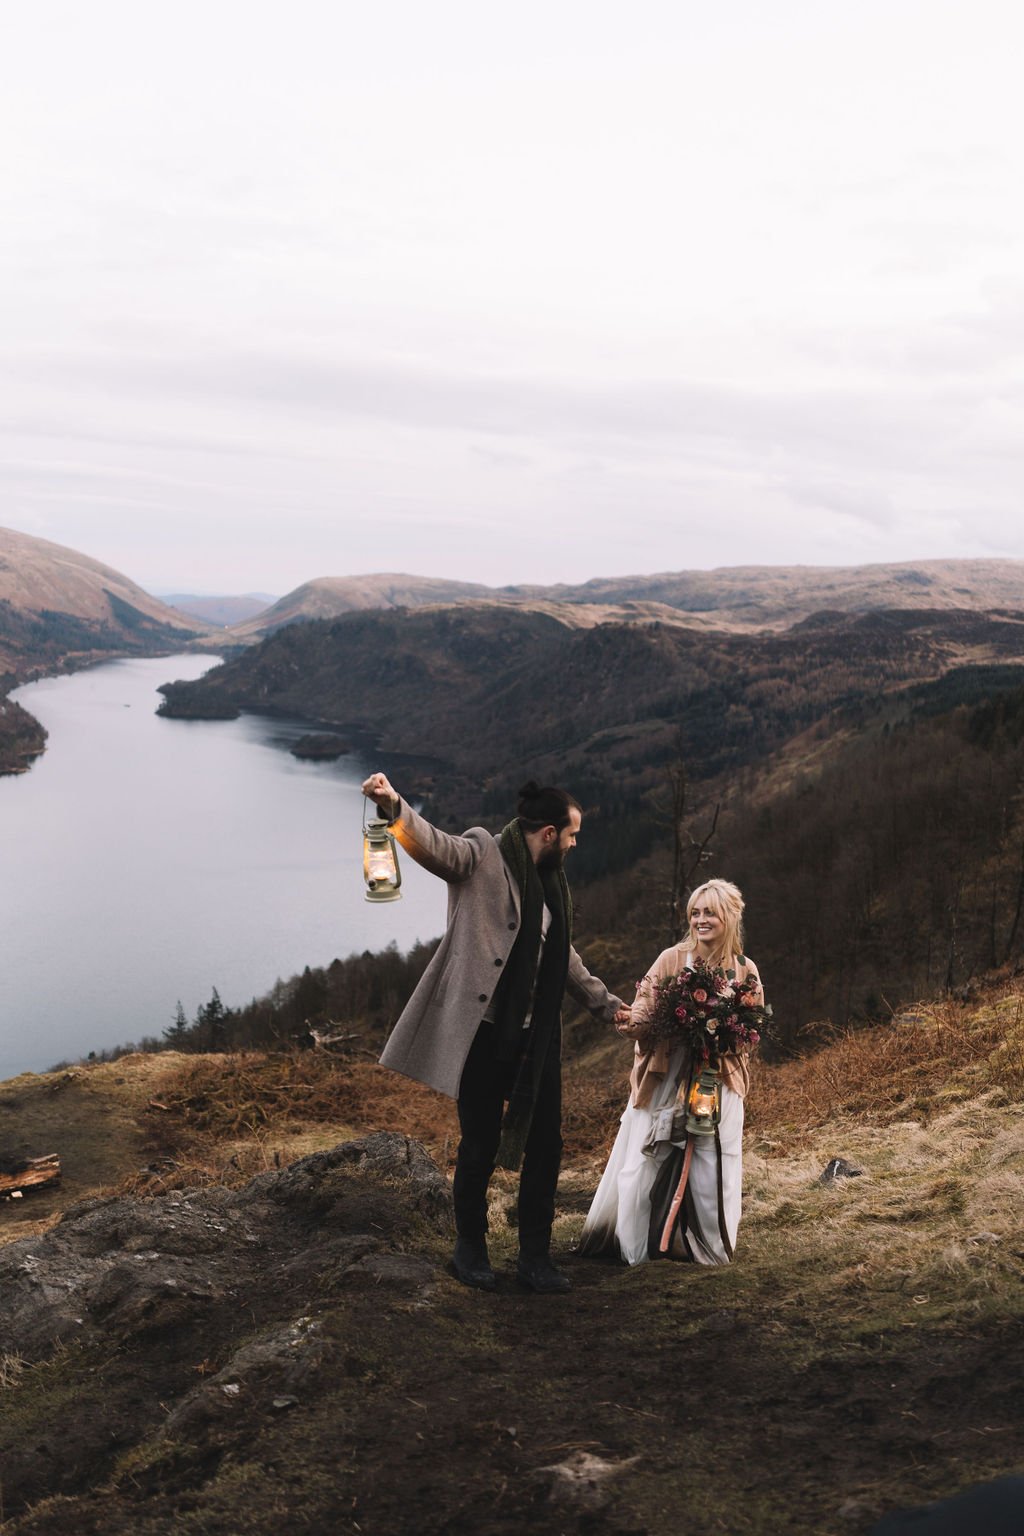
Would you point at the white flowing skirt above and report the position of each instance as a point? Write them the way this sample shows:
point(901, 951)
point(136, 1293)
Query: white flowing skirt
point(620, 1215)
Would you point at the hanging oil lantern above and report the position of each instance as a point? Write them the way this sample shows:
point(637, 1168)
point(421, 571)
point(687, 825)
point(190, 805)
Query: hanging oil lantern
point(380, 861)
point(704, 1103)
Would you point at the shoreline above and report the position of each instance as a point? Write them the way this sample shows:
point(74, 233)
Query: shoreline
point(23, 738)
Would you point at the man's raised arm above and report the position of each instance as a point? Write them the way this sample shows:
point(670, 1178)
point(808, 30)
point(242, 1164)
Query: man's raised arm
point(442, 854)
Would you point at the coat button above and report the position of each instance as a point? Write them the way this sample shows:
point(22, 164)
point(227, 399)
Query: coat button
point(511, 927)
point(498, 962)
point(483, 997)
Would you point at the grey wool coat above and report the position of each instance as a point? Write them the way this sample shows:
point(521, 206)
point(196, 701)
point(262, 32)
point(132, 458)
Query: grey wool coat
point(433, 1035)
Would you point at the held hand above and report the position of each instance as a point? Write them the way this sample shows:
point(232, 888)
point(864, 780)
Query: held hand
point(377, 788)
point(624, 1025)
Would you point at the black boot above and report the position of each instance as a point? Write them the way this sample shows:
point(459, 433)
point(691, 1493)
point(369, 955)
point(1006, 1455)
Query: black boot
point(539, 1274)
point(471, 1264)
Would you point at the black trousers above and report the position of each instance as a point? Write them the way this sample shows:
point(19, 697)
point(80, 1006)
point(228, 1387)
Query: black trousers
point(485, 1087)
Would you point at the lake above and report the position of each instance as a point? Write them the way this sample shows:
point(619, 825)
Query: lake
point(147, 860)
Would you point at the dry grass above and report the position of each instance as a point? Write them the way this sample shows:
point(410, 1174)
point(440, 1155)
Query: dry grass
point(12, 1367)
point(929, 1235)
point(932, 1229)
point(925, 1060)
point(222, 1119)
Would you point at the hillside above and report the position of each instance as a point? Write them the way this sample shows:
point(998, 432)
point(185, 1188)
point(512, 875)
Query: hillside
point(60, 609)
point(89, 606)
point(743, 598)
point(249, 1326)
point(328, 596)
point(866, 770)
point(607, 707)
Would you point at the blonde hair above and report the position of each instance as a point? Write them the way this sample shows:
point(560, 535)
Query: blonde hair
point(725, 899)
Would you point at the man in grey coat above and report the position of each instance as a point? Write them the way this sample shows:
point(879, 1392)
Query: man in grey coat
point(484, 1023)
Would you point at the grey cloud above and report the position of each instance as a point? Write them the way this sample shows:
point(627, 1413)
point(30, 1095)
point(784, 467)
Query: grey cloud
point(891, 424)
point(864, 504)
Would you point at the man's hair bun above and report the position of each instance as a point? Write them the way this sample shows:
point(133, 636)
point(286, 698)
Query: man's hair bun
point(544, 806)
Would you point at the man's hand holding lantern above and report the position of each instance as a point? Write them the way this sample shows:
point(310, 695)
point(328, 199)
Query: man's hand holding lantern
point(380, 791)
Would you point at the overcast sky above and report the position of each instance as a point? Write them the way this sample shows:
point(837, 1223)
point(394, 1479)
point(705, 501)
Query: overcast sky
point(511, 293)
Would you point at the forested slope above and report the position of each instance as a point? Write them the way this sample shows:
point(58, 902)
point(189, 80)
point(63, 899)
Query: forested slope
point(867, 771)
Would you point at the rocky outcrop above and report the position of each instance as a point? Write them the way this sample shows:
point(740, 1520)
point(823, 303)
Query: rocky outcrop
point(125, 1268)
point(167, 1317)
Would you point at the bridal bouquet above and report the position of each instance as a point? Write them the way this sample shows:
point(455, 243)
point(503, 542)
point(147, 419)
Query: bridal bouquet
point(709, 1009)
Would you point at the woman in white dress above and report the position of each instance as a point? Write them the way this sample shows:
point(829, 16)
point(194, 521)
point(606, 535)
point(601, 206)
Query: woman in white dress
point(620, 1216)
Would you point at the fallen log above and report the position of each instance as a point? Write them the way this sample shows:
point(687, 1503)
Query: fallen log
point(30, 1174)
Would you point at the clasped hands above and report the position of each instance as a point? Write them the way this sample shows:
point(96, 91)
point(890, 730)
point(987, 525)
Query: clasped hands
point(625, 1025)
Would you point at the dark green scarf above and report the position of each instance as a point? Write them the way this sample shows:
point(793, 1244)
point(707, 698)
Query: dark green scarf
point(517, 989)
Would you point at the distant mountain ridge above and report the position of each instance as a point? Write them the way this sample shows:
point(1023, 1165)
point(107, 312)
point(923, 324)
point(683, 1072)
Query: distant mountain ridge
point(736, 598)
point(220, 611)
point(328, 596)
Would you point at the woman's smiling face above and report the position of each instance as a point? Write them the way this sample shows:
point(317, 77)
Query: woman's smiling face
point(706, 925)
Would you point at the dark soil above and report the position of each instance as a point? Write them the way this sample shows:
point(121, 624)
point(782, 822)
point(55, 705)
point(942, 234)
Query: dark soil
point(295, 1356)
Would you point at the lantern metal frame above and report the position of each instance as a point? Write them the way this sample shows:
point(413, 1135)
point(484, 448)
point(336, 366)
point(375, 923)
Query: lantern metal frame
point(379, 840)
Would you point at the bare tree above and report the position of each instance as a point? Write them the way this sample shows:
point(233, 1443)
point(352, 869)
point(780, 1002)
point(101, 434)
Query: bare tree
point(1017, 914)
point(954, 947)
point(688, 853)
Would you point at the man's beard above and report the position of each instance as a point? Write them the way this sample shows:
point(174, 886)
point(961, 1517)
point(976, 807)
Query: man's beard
point(551, 859)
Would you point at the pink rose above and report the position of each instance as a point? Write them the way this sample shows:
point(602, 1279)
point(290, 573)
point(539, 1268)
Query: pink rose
point(700, 996)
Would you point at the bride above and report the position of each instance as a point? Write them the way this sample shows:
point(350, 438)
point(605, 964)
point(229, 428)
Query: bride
point(619, 1219)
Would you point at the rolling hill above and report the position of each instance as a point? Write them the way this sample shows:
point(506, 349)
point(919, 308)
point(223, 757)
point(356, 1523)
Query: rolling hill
point(100, 609)
point(741, 598)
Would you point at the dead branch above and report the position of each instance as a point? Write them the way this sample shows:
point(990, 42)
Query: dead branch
point(34, 1172)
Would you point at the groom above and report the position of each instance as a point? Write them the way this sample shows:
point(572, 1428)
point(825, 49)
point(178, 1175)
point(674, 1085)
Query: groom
point(484, 1023)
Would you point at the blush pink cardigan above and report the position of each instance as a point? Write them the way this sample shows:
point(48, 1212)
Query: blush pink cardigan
point(650, 1062)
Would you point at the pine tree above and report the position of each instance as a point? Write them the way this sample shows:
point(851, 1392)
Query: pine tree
point(210, 1023)
point(177, 1037)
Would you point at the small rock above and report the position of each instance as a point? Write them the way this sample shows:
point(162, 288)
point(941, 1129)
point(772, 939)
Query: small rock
point(984, 1237)
point(856, 1509)
point(838, 1168)
point(401, 1271)
point(582, 1480)
point(285, 1402)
